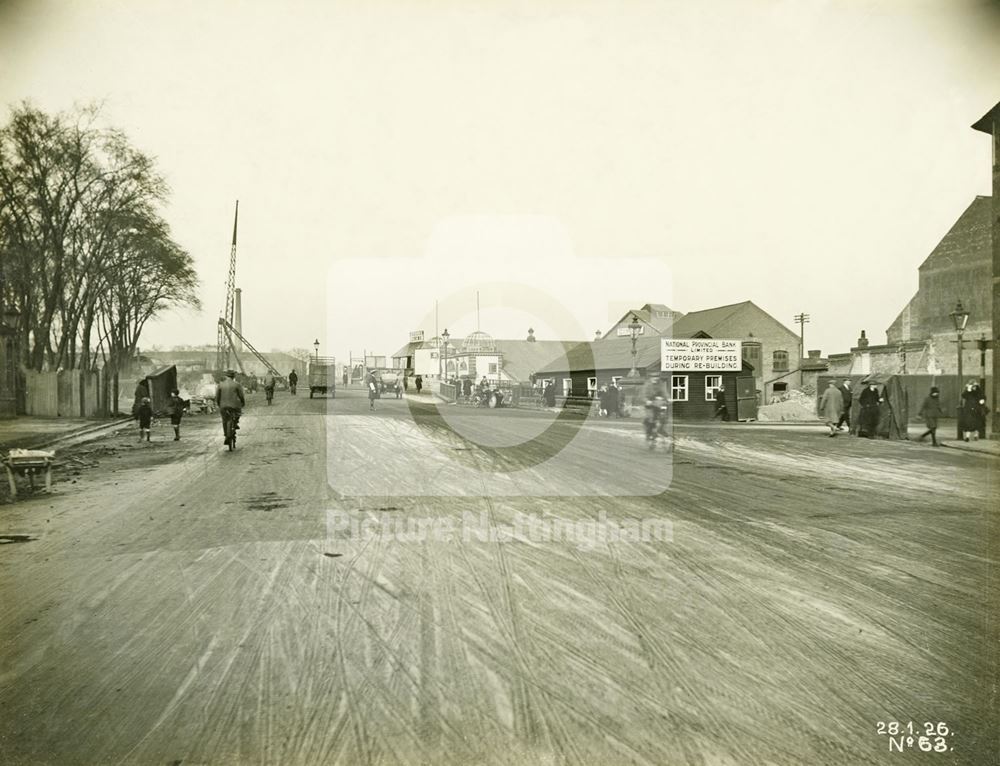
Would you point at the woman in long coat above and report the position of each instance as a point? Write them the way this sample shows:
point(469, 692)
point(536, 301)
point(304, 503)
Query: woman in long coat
point(831, 407)
point(868, 420)
point(973, 412)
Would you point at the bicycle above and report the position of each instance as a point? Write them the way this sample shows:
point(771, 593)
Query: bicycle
point(656, 424)
point(230, 425)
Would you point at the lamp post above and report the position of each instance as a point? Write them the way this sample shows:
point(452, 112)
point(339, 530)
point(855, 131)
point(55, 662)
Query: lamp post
point(635, 327)
point(961, 318)
point(316, 346)
point(444, 351)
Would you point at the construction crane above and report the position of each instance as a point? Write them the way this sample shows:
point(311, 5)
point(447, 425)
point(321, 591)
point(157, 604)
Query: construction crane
point(223, 342)
point(229, 331)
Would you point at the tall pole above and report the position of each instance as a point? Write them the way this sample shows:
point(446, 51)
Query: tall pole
point(801, 319)
point(958, 426)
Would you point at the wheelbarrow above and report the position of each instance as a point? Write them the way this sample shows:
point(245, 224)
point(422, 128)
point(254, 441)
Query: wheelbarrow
point(30, 463)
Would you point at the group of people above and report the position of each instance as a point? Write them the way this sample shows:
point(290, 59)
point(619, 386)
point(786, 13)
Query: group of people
point(610, 400)
point(835, 408)
point(142, 411)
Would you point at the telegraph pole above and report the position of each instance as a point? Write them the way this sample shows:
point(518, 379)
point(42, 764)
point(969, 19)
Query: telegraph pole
point(800, 320)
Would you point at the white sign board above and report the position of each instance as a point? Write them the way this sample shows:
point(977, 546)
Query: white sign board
point(697, 354)
point(624, 331)
point(417, 336)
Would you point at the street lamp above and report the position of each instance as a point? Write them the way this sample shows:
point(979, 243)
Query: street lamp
point(444, 351)
point(635, 327)
point(961, 318)
point(316, 346)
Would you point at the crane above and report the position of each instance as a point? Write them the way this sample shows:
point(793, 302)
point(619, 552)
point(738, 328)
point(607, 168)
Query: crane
point(229, 331)
point(223, 344)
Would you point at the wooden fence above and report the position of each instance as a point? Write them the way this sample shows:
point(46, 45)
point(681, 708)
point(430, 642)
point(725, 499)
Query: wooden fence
point(63, 393)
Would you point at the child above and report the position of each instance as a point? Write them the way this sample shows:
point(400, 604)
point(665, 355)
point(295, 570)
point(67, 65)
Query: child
point(177, 408)
point(930, 411)
point(144, 414)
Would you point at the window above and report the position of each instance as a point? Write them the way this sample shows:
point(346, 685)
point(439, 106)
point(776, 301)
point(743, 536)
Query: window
point(678, 388)
point(591, 387)
point(751, 352)
point(779, 361)
point(615, 378)
point(567, 386)
point(712, 385)
point(493, 368)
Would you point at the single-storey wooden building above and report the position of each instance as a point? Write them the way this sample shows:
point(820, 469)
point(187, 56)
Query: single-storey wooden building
point(586, 367)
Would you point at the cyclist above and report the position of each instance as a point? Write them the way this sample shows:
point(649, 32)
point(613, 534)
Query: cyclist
point(230, 399)
point(656, 418)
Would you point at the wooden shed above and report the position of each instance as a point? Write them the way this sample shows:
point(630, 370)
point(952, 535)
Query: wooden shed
point(695, 395)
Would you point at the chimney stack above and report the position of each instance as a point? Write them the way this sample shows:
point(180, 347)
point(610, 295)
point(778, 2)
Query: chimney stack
point(531, 335)
point(814, 353)
point(862, 341)
point(597, 336)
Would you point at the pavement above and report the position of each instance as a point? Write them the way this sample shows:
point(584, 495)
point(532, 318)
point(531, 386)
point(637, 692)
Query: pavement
point(38, 433)
point(462, 586)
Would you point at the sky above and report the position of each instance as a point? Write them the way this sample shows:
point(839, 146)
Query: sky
point(563, 159)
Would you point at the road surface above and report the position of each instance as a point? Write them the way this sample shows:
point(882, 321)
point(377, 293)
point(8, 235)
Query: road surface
point(174, 603)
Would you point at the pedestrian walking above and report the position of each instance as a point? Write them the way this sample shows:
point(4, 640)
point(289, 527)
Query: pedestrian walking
point(869, 400)
point(467, 389)
point(721, 410)
point(293, 380)
point(406, 383)
point(372, 393)
point(141, 392)
point(176, 407)
point(831, 407)
point(930, 411)
point(972, 414)
point(419, 382)
point(602, 397)
point(848, 397)
point(549, 396)
point(614, 400)
point(144, 414)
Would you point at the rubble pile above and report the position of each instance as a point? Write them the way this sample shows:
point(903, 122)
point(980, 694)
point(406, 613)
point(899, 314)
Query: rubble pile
point(794, 406)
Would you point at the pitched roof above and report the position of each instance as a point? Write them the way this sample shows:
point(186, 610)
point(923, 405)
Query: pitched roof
point(969, 238)
point(648, 315)
point(408, 349)
point(597, 355)
point(706, 320)
point(985, 123)
point(521, 358)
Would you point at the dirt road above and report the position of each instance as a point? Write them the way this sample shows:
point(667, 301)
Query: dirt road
point(179, 604)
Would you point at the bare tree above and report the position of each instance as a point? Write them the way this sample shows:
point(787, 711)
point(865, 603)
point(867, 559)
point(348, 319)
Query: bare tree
point(86, 255)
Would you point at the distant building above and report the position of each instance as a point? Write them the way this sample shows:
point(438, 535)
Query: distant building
point(770, 348)
point(922, 339)
point(480, 355)
point(653, 318)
